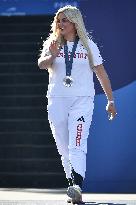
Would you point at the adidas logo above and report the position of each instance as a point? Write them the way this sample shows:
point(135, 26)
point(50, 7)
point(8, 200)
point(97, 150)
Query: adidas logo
point(81, 119)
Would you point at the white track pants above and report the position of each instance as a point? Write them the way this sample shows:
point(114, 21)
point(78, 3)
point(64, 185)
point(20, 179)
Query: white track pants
point(70, 119)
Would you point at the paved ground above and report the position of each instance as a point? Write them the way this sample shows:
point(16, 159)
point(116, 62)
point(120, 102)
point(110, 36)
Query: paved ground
point(58, 197)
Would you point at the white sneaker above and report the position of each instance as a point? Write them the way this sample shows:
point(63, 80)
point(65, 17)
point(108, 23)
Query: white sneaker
point(75, 193)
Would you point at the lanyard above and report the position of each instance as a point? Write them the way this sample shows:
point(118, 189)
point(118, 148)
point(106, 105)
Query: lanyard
point(67, 61)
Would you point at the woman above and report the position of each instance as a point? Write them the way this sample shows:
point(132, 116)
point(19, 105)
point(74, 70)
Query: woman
point(71, 58)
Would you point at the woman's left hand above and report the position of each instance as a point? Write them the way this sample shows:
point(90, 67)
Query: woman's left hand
point(110, 108)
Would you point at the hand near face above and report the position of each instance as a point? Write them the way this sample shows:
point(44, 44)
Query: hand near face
point(54, 49)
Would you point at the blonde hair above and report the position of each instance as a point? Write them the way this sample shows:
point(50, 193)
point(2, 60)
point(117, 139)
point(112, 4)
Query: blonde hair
point(74, 15)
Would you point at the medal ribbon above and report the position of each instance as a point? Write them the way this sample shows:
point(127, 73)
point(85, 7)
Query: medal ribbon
point(67, 61)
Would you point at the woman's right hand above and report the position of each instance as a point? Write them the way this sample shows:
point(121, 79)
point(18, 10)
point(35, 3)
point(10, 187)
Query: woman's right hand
point(54, 49)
